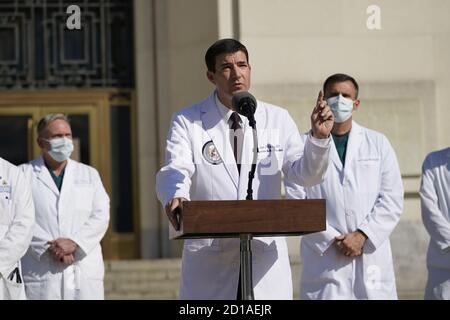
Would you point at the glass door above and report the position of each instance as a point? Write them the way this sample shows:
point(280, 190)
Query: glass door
point(103, 135)
point(17, 138)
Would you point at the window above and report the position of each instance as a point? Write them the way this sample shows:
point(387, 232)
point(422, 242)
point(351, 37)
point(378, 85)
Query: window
point(38, 51)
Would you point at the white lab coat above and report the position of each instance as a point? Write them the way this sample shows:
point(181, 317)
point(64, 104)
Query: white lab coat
point(16, 227)
point(210, 267)
point(435, 203)
point(79, 212)
point(367, 195)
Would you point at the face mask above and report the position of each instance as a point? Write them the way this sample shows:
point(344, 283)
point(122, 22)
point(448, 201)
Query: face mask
point(341, 107)
point(61, 148)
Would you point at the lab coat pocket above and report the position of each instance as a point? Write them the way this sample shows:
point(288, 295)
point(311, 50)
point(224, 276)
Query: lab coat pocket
point(269, 162)
point(368, 169)
point(372, 163)
point(84, 196)
point(11, 289)
point(91, 266)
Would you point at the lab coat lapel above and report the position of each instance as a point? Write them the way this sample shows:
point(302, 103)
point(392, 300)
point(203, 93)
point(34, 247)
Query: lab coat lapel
point(354, 141)
point(334, 156)
point(247, 151)
point(66, 184)
point(218, 131)
point(44, 176)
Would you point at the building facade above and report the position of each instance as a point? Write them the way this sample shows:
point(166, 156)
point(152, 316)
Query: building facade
point(133, 63)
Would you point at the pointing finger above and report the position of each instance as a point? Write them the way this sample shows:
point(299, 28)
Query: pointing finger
point(320, 97)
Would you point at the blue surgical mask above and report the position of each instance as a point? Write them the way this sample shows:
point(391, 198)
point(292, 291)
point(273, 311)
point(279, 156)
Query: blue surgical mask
point(341, 107)
point(60, 148)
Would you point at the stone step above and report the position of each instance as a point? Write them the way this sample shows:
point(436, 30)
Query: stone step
point(159, 279)
point(142, 265)
point(142, 279)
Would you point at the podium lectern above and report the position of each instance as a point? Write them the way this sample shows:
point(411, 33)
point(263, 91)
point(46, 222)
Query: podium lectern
point(248, 218)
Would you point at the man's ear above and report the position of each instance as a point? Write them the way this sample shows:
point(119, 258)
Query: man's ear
point(356, 105)
point(40, 142)
point(210, 77)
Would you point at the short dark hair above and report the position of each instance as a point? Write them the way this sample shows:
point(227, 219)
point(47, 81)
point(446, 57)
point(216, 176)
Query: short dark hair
point(339, 77)
point(222, 46)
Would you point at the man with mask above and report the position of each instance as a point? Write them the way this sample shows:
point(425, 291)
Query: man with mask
point(364, 199)
point(64, 260)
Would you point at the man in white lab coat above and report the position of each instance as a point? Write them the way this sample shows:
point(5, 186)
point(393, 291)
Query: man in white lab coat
point(65, 258)
point(435, 202)
point(16, 229)
point(363, 189)
point(201, 165)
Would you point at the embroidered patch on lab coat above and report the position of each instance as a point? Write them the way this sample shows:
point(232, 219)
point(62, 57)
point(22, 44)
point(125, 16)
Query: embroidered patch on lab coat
point(5, 190)
point(211, 154)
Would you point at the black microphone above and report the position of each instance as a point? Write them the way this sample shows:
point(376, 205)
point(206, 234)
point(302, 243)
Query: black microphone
point(244, 103)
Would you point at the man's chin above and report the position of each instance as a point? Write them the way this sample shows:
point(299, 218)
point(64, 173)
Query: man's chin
point(240, 89)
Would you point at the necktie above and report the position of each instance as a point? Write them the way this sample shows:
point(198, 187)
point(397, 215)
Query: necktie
point(236, 138)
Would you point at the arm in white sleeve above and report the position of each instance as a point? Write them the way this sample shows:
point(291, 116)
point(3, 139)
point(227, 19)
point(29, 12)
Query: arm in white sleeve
point(17, 239)
point(305, 163)
point(93, 230)
point(381, 221)
point(174, 178)
point(433, 219)
point(323, 240)
point(38, 245)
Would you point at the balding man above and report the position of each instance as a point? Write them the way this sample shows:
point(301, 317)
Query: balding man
point(65, 258)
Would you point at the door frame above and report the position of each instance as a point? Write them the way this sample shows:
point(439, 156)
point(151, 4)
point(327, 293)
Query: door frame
point(97, 104)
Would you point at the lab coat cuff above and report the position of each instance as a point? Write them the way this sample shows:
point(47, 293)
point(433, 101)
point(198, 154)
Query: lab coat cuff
point(322, 143)
point(81, 246)
point(322, 247)
point(38, 251)
point(446, 250)
point(371, 240)
point(177, 195)
point(322, 241)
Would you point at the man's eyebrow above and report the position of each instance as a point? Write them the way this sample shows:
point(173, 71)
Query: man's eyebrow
point(224, 64)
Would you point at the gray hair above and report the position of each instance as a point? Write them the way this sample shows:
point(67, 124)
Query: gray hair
point(45, 121)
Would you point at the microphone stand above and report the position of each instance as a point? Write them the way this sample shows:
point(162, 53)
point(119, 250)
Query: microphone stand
point(251, 174)
point(246, 238)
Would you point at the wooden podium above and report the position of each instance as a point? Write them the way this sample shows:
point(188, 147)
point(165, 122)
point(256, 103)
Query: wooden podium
point(248, 218)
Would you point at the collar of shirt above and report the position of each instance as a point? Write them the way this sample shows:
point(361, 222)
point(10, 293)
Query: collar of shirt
point(225, 112)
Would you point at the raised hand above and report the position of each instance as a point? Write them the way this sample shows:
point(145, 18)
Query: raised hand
point(322, 118)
